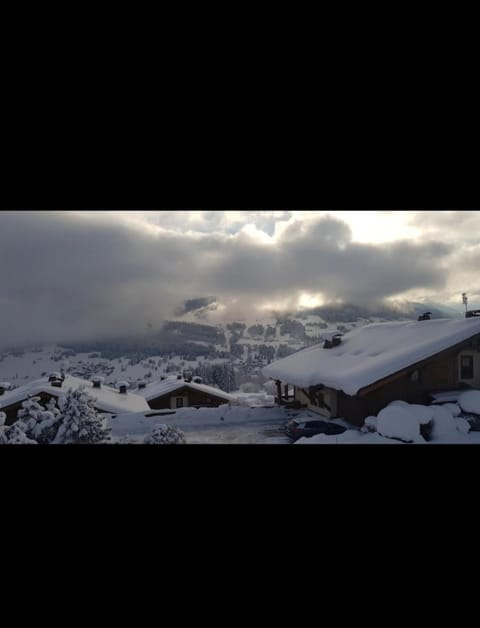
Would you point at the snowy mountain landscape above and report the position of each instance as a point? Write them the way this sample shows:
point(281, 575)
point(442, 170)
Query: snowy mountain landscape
point(244, 347)
point(221, 301)
point(231, 357)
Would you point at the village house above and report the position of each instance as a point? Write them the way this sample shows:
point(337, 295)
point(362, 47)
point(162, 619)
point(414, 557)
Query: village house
point(107, 400)
point(177, 392)
point(356, 375)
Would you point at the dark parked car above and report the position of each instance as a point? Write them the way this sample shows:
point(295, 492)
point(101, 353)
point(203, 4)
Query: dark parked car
point(298, 428)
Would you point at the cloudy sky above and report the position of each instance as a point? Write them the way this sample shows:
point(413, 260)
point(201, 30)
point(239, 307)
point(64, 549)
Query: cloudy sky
point(68, 275)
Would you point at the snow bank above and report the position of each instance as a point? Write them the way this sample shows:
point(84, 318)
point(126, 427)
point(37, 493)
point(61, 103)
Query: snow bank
point(453, 408)
point(443, 422)
point(463, 426)
point(350, 437)
point(399, 423)
point(404, 422)
point(371, 423)
point(398, 402)
point(423, 414)
point(469, 401)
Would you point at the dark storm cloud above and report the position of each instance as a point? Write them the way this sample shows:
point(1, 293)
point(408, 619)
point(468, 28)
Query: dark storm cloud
point(321, 257)
point(68, 277)
point(62, 277)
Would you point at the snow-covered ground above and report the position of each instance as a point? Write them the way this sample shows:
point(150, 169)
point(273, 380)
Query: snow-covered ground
point(253, 418)
point(247, 425)
point(401, 422)
point(396, 424)
point(224, 425)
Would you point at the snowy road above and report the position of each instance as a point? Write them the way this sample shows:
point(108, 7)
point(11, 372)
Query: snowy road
point(217, 426)
point(254, 433)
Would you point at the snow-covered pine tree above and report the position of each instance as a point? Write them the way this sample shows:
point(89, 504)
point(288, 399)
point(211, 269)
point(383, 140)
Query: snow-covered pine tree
point(165, 435)
point(3, 436)
point(226, 378)
point(13, 434)
point(30, 415)
point(46, 430)
point(80, 423)
point(231, 380)
point(16, 435)
point(52, 407)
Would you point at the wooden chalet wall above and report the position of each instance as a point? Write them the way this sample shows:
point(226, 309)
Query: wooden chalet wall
point(439, 373)
point(195, 398)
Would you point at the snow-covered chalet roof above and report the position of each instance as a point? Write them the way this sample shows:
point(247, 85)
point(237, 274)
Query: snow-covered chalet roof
point(371, 353)
point(108, 399)
point(166, 386)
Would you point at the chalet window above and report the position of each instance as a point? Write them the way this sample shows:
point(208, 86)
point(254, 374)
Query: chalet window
point(179, 402)
point(415, 376)
point(466, 367)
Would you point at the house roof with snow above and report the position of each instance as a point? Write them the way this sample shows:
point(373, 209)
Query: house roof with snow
point(369, 354)
point(107, 399)
point(169, 385)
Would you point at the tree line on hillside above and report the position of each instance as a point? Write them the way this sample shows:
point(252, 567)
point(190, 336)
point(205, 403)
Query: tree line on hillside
point(221, 375)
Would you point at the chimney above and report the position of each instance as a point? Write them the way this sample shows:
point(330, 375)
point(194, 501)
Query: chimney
point(425, 317)
point(97, 381)
point(334, 342)
point(55, 379)
point(123, 388)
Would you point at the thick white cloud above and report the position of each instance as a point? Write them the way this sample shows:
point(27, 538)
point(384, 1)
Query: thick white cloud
point(77, 274)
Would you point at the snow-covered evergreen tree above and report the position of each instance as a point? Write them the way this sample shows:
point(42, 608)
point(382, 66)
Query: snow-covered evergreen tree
point(231, 380)
point(13, 434)
point(165, 435)
point(30, 415)
point(52, 407)
point(46, 430)
point(17, 436)
point(80, 423)
point(3, 437)
point(221, 375)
